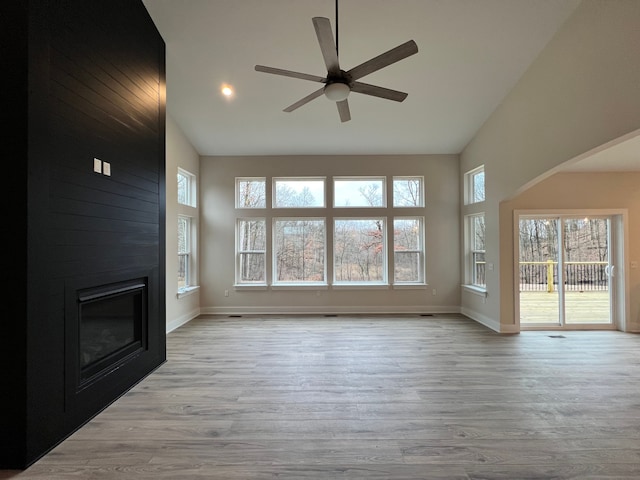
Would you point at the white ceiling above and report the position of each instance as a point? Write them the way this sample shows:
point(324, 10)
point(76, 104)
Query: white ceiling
point(621, 157)
point(471, 53)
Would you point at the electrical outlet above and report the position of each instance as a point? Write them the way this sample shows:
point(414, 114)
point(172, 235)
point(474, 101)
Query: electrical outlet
point(226, 293)
point(434, 292)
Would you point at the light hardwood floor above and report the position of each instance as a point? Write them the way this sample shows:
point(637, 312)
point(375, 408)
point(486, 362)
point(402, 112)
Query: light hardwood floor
point(368, 398)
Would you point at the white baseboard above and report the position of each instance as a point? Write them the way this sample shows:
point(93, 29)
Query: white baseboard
point(488, 322)
point(178, 322)
point(332, 310)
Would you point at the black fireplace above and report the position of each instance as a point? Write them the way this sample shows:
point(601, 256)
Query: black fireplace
point(112, 326)
point(110, 340)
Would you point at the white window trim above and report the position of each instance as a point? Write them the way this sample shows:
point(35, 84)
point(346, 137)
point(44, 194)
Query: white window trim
point(190, 268)
point(469, 251)
point(237, 192)
point(383, 192)
point(384, 253)
point(191, 188)
point(274, 198)
point(408, 177)
point(421, 251)
point(274, 269)
point(468, 186)
point(238, 252)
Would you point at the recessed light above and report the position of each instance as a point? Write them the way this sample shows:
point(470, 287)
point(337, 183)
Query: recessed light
point(227, 90)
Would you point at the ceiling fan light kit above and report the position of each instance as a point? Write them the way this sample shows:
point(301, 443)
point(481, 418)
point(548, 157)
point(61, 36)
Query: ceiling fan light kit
point(340, 83)
point(337, 91)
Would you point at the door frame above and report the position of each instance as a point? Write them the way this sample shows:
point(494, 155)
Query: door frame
point(618, 252)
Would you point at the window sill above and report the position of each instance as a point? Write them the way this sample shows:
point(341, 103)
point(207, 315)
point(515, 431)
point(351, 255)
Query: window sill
point(360, 286)
point(476, 290)
point(410, 286)
point(186, 291)
point(250, 286)
point(300, 286)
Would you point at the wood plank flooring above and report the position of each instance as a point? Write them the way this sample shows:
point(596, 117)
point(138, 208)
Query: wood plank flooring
point(375, 397)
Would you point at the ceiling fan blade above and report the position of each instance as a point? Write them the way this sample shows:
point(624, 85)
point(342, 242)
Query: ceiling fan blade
point(343, 110)
point(304, 100)
point(327, 44)
point(394, 55)
point(381, 92)
point(289, 73)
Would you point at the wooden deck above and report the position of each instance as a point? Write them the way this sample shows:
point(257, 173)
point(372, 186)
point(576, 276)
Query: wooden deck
point(586, 308)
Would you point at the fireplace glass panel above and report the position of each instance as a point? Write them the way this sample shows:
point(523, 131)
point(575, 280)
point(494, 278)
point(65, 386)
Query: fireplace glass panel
point(110, 327)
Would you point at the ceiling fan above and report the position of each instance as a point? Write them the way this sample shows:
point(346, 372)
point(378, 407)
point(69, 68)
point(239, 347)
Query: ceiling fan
point(340, 83)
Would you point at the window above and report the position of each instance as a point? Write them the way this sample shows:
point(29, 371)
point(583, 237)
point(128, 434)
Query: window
point(359, 192)
point(476, 250)
point(298, 192)
point(186, 188)
point(306, 245)
point(474, 186)
point(408, 192)
point(408, 250)
point(251, 248)
point(251, 193)
point(359, 251)
point(299, 253)
point(184, 251)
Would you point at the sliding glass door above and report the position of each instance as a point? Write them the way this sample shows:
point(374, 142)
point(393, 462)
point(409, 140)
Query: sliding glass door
point(565, 271)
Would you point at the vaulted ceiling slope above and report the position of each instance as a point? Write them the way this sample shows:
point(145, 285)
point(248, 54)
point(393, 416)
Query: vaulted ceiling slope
point(471, 53)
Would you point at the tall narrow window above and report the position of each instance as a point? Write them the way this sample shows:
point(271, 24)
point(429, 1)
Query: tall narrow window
point(408, 250)
point(251, 192)
point(474, 186)
point(476, 242)
point(359, 251)
point(186, 188)
point(299, 253)
point(408, 192)
point(250, 250)
point(184, 251)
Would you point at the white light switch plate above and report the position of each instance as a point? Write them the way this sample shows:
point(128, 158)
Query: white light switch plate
point(97, 165)
point(106, 169)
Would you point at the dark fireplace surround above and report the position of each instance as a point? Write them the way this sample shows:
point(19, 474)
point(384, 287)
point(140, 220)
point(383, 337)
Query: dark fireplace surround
point(107, 325)
point(87, 316)
point(110, 337)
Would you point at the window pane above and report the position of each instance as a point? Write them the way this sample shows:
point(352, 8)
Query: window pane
point(359, 250)
point(183, 270)
point(251, 236)
point(407, 234)
point(478, 232)
point(299, 250)
point(478, 187)
point(183, 234)
point(478, 269)
point(251, 267)
point(407, 192)
point(408, 250)
point(354, 192)
point(183, 189)
point(407, 267)
point(250, 193)
point(298, 193)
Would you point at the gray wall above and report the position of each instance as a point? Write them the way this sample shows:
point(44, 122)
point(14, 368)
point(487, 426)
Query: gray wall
point(217, 249)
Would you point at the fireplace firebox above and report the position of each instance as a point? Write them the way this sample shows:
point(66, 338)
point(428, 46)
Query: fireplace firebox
point(112, 324)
